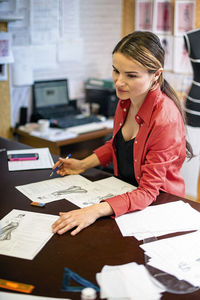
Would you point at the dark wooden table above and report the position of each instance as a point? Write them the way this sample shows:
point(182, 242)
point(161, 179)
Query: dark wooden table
point(98, 245)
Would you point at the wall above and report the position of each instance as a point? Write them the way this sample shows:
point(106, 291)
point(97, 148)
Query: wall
point(90, 30)
point(4, 102)
point(179, 77)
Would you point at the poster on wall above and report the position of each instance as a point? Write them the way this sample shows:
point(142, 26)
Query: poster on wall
point(167, 44)
point(162, 20)
point(182, 62)
point(6, 55)
point(144, 15)
point(184, 17)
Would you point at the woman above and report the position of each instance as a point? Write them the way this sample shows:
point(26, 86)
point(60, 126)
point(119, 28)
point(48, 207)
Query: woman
point(148, 146)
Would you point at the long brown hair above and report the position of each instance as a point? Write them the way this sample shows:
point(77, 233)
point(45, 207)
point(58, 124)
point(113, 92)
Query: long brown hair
point(145, 47)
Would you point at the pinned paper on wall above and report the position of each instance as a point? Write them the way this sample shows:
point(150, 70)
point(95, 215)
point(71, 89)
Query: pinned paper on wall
point(144, 15)
point(44, 57)
point(182, 62)
point(22, 69)
point(162, 17)
point(44, 26)
point(184, 19)
point(6, 55)
point(70, 50)
point(167, 44)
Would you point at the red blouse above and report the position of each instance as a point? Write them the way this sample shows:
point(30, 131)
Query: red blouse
point(159, 152)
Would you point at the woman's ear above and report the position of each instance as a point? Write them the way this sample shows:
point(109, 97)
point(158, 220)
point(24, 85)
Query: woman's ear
point(158, 73)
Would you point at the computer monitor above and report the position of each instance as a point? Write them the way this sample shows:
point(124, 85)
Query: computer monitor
point(50, 97)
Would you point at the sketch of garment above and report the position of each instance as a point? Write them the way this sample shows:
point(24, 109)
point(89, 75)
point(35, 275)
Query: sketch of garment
point(10, 227)
point(70, 190)
point(74, 189)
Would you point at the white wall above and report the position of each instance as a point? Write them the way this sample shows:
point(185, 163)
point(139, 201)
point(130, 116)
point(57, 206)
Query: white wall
point(81, 47)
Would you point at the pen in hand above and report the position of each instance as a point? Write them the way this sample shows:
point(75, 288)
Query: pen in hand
point(55, 170)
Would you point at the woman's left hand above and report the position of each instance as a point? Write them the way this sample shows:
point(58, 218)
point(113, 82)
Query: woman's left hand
point(80, 218)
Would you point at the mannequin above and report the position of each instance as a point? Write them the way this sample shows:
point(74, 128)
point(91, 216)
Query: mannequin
point(192, 107)
point(190, 169)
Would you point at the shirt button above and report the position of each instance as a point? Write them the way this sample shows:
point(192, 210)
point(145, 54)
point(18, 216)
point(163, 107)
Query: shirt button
point(120, 124)
point(135, 160)
point(124, 109)
point(135, 142)
point(137, 117)
point(141, 124)
point(138, 177)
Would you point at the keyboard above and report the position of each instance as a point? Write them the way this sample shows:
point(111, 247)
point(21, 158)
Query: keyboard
point(76, 120)
point(85, 128)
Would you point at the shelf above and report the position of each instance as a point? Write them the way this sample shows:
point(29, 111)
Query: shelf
point(10, 18)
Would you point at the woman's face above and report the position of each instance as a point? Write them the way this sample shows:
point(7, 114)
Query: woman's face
point(131, 79)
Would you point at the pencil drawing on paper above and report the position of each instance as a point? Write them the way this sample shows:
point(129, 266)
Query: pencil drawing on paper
point(98, 199)
point(74, 189)
point(7, 230)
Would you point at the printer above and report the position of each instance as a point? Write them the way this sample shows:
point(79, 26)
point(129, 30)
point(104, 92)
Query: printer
point(102, 91)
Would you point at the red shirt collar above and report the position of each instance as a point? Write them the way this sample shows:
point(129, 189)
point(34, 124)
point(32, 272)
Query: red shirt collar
point(145, 111)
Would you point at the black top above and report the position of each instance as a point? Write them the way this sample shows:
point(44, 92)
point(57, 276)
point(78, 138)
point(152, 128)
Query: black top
point(192, 106)
point(125, 162)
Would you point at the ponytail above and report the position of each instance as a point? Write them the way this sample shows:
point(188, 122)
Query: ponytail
point(169, 91)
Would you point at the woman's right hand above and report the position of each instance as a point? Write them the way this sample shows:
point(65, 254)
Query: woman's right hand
point(73, 166)
point(69, 166)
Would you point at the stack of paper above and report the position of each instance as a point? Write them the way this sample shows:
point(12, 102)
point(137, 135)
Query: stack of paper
point(128, 282)
point(178, 256)
point(159, 220)
point(54, 134)
point(75, 188)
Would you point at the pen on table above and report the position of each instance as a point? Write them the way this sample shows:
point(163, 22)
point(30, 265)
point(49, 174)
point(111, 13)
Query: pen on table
point(54, 171)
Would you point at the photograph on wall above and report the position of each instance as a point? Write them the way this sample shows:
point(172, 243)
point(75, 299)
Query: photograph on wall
point(6, 55)
point(144, 15)
point(162, 17)
point(184, 17)
point(182, 62)
point(167, 44)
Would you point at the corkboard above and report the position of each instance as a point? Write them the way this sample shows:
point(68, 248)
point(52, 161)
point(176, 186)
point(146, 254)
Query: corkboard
point(197, 18)
point(128, 17)
point(5, 130)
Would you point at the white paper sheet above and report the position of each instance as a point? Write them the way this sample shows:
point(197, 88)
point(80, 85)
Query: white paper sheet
point(45, 160)
point(159, 220)
point(44, 26)
point(178, 256)
point(75, 188)
point(24, 233)
point(57, 188)
point(15, 296)
point(124, 282)
point(23, 67)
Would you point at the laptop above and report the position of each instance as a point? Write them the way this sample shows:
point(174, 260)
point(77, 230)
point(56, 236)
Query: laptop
point(51, 101)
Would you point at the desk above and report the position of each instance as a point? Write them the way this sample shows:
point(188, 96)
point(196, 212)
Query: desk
point(81, 146)
point(85, 254)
